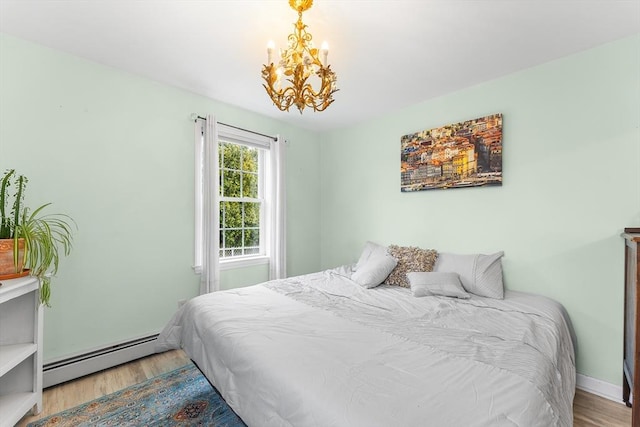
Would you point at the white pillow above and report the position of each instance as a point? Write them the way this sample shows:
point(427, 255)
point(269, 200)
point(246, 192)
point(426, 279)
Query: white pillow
point(431, 283)
point(480, 274)
point(374, 271)
point(370, 249)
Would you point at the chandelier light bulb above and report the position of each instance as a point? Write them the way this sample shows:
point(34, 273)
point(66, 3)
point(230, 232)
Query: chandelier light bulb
point(324, 49)
point(270, 46)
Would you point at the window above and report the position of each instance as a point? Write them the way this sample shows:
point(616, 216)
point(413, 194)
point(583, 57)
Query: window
point(250, 200)
point(241, 200)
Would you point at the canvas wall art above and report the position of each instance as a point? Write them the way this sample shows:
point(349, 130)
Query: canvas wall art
point(466, 154)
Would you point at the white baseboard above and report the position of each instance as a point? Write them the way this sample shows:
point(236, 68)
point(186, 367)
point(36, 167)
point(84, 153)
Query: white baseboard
point(600, 388)
point(76, 366)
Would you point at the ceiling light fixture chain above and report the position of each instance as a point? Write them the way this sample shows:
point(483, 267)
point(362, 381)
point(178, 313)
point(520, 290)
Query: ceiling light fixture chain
point(298, 63)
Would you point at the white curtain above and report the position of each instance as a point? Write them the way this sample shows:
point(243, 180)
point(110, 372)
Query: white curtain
point(210, 275)
point(278, 252)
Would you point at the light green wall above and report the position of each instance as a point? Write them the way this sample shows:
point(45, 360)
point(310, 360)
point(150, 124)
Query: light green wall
point(571, 184)
point(238, 277)
point(115, 151)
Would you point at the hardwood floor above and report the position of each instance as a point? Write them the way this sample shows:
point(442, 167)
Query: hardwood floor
point(588, 410)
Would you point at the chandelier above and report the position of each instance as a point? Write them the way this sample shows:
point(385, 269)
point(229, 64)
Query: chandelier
point(297, 63)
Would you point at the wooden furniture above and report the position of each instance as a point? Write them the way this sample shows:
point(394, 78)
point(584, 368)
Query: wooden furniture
point(631, 368)
point(20, 349)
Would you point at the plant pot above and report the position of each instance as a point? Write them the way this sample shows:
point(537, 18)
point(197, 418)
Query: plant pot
point(8, 269)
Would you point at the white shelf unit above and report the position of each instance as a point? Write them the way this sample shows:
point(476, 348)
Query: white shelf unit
point(20, 349)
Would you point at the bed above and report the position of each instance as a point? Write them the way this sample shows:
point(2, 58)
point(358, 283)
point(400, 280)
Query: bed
point(321, 350)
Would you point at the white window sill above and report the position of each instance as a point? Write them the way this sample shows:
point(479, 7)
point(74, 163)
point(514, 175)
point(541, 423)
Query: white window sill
point(230, 264)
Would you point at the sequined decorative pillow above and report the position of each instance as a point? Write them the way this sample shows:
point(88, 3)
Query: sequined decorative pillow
point(410, 259)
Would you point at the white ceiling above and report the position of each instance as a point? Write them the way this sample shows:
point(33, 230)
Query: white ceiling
point(387, 54)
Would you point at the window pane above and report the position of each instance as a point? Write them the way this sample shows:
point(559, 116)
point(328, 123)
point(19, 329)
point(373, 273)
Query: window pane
point(231, 213)
point(252, 251)
point(250, 159)
point(251, 238)
point(250, 185)
point(231, 156)
point(252, 214)
point(231, 183)
point(233, 238)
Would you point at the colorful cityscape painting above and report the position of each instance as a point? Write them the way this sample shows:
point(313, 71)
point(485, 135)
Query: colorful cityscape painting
point(466, 154)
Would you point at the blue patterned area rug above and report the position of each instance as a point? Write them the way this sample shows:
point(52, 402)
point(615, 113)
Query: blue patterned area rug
point(182, 397)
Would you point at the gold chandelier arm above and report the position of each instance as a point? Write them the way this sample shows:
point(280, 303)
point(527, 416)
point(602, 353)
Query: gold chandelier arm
point(320, 100)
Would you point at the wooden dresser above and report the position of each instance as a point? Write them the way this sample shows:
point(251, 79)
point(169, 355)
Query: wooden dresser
point(631, 368)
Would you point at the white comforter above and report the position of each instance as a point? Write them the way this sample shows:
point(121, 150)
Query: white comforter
point(319, 350)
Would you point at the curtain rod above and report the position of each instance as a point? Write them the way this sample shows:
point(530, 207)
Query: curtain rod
point(239, 128)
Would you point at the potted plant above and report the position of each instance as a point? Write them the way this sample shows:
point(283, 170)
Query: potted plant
point(35, 239)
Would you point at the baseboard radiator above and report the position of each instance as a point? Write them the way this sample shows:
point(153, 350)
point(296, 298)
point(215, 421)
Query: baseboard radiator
point(76, 366)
